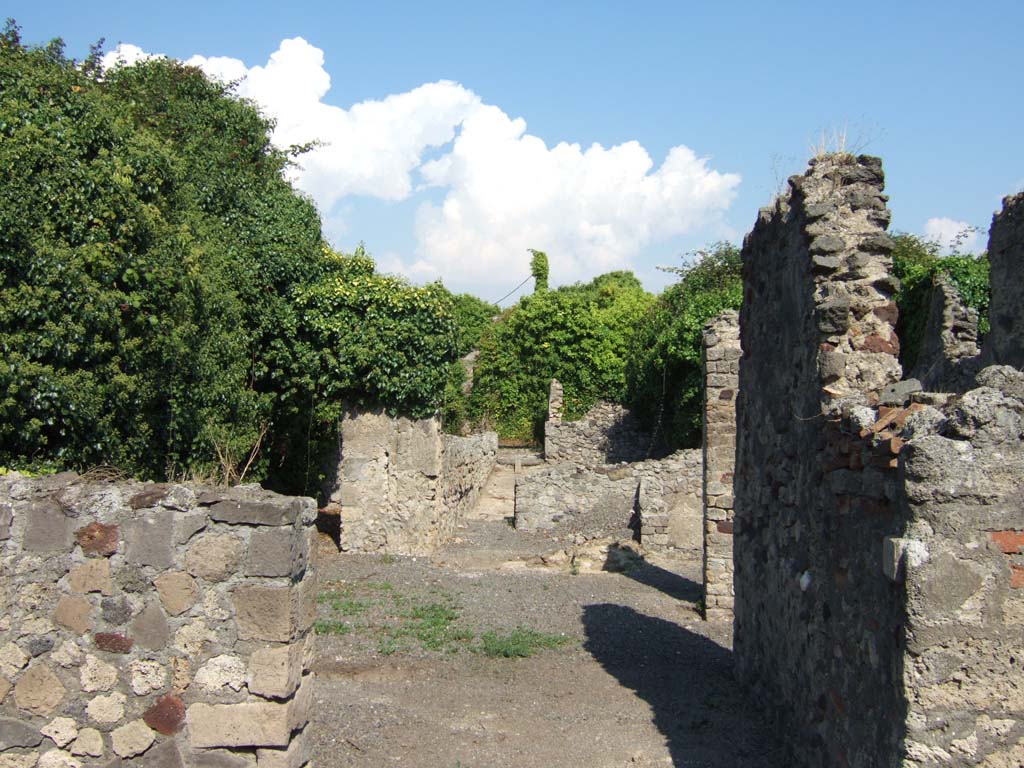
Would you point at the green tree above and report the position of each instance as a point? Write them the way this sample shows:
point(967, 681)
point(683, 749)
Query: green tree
point(665, 379)
point(579, 334)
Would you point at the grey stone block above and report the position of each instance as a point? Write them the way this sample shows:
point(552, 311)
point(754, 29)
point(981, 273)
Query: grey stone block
point(17, 733)
point(276, 552)
point(48, 528)
point(255, 512)
point(149, 539)
point(150, 628)
point(6, 518)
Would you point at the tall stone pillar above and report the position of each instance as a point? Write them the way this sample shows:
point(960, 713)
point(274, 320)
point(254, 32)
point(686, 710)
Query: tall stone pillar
point(721, 359)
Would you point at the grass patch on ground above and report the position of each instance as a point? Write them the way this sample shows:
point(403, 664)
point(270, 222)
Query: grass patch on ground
point(429, 621)
point(521, 642)
point(331, 627)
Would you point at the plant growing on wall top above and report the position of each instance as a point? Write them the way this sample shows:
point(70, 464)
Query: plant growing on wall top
point(539, 270)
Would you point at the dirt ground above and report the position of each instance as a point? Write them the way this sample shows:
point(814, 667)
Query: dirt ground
point(623, 672)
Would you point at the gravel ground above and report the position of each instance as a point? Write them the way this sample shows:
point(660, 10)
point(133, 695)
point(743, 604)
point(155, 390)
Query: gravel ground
point(634, 677)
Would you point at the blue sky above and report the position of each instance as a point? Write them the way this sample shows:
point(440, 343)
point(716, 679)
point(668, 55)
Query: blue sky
point(700, 111)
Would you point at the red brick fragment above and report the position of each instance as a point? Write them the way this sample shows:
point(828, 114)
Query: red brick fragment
point(1017, 577)
point(873, 507)
point(1011, 542)
point(724, 526)
point(837, 701)
point(114, 642)
point(167, 716)
point(875, 343)
point(889, 313)
point(895, 444)
point(97, 539)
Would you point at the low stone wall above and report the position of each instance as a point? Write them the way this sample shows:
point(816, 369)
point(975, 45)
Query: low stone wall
point(402, 485)
point(155, 625)
point(466, 466)
point(666, 494)
point(607, 434)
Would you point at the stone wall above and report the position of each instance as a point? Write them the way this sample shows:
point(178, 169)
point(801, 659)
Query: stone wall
point(959, 567)
point(815, 623)
point(721, 361)
point(948, 358)
point(665, 494)
point(877, 549)
point(1004, 343)
point(401, 484)
point(466, 465)
point(155, 625)
point(607, 434)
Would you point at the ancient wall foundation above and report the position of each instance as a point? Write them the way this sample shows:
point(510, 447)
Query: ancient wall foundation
point(609, 433)
point(721, 360)
point(876, 547)
point(665, 496)
point(155, 625)
point(401, 484)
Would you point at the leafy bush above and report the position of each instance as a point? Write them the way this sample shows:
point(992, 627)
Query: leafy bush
point(915, 263)
point(579, 334)
point(665, 382)
point(472, 317)
point(380, 340)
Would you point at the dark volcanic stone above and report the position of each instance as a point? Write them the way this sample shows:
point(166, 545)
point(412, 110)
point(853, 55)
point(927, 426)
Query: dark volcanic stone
point(114, 642)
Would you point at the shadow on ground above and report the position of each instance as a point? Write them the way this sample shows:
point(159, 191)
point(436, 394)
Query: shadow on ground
point(688, 682)
point(656, 577)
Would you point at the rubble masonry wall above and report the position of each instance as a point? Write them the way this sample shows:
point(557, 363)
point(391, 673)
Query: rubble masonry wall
point(1004, 343)
point(156, 625)
point(878, 550)
point(816, 620)
point(608, 434)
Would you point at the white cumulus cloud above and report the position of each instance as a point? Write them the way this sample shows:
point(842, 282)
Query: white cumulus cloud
point(951, 235)
point(501, 190)
point(592, 210)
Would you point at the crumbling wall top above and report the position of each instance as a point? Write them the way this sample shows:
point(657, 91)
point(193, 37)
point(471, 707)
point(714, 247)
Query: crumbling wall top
point(1004, 344)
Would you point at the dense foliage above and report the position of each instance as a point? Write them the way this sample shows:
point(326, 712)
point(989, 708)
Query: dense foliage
point(167, 303)
point(915, 263)
point(381, 341)
point(665, 382)
point(472, 317)
point(579, 334)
